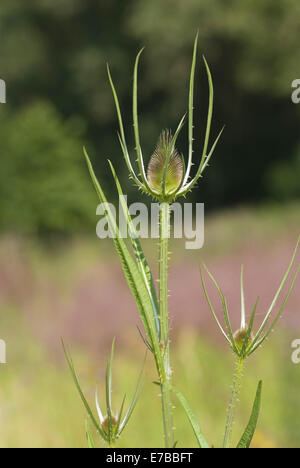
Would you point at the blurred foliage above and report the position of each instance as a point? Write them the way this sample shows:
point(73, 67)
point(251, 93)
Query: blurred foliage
point(42, 189)
point(56, 50)
point(284, 178)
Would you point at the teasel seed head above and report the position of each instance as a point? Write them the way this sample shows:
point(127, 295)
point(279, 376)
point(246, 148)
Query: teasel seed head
point(105, 423)
point(239, 338)
point(157, 164)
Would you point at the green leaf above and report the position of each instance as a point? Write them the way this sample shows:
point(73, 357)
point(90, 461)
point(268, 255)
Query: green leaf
point(138, 251)
point(192, 418)
point(204, 157)
point(210, 110)
point(87, 407)
point(243, 313)
point(108, 386)
point(122, 134)
point(245, 349)
point(134, 399)
point(225, 310)
point(250, 429)
point(191, 109)
point(120, 416)
point(132, 274)
point(278, 316)
point(88, 436)
point(262, 327)
point(136, 127)
point(211, 307)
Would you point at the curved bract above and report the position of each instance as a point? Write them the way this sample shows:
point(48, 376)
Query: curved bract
point(168, 176)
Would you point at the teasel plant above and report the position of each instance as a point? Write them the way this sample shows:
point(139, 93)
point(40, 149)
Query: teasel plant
point(108, 426)
point(168, 177)
point(244, 342)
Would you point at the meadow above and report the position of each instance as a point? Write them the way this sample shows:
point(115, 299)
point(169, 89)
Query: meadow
point(64, 289)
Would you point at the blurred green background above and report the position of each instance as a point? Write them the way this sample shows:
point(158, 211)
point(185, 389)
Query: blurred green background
point(57, 279)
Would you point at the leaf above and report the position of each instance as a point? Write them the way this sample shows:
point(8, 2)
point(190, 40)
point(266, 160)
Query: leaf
point(108, 386)
point(87, 407)
point(204, 157)
point(207, 159)
point(249, 330)
point(192, 418)
point(136, 127)
point(120, 416)
point(210, 110)
point(250, 429)
point(278, 316)
point(243, 313)
point(225, 310)
point(258, 334)
point(132, 274)
point(138, 251)
point(134, 399)
point(191, 109)
point(122, 134)
point(88, 436)
point(212, 308)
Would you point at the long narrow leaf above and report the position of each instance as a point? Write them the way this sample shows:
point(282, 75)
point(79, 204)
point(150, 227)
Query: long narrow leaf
point(247, 437)
point(258, 334)
point(225, 309)
point(135, 397)
point(191, 184)
point(212, 308)
point(132, 274)
point(243, 312)
point(87, 407)
point(108, 386)
point(88, 436)
point(249, 330)
point(192, 419)
point(138, 251)
point(122, 134)
point(278, 316)
point(210, 111)
point(191, 110)
point(136, 127)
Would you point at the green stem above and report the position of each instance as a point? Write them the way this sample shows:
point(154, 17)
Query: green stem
point(236, 388)
point(165, 383)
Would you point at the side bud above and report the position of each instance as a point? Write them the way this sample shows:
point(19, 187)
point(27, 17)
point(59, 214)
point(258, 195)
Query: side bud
point(240, 336)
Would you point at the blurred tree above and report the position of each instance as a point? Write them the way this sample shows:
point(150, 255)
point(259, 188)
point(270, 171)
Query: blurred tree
point(44, 186)
point(283, 179)
point(56, 51)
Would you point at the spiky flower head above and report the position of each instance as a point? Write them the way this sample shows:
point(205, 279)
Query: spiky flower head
point(165, 154)
point(167, 182)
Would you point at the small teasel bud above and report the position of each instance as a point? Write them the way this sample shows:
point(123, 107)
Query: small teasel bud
point(157, 164)
point(105, 423)
point(239, 337)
